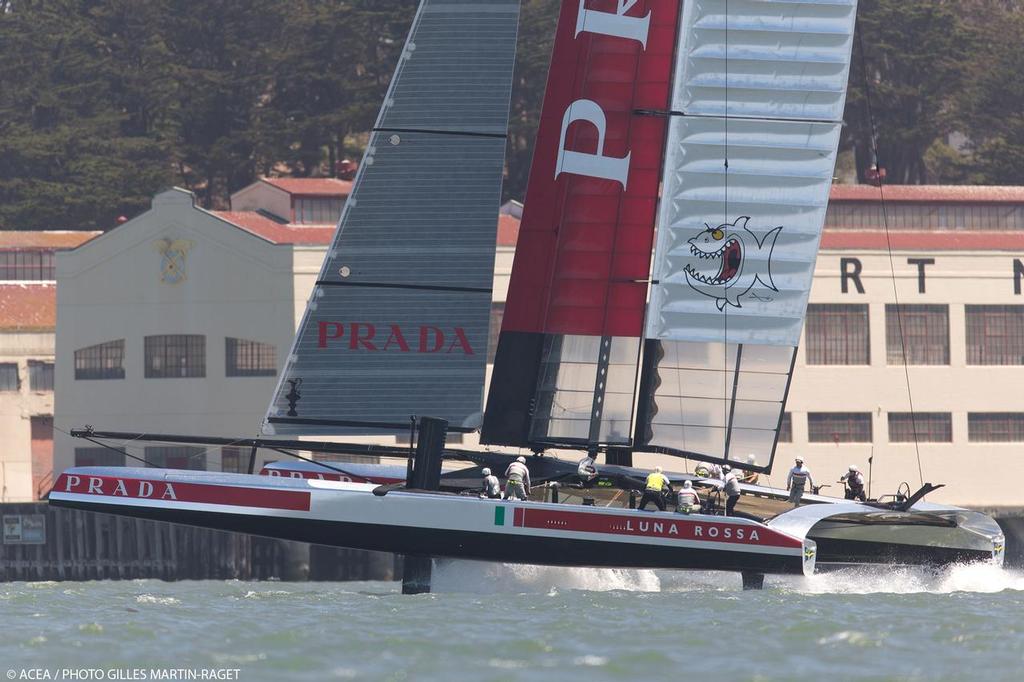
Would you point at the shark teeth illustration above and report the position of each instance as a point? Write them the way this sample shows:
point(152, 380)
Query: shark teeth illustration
point(713, 255)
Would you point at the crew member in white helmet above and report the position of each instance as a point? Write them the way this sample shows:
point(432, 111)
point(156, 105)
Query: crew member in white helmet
point(799, 476)
point(750, 477)
point(586, 469)
point(687, 501)
point(517, 480)
point(732, 489)
point(854, 481)
point(491, 487)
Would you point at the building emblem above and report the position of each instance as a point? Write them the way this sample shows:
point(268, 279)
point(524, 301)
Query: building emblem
point(172, 259)
point(728, 260)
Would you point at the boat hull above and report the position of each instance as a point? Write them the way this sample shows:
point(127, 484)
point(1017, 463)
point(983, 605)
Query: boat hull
point(434, 524)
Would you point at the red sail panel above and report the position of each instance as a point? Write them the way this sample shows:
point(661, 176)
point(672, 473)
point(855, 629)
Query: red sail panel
point(586, 238)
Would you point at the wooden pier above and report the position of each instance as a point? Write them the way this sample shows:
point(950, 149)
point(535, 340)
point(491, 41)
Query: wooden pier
point(41, 542)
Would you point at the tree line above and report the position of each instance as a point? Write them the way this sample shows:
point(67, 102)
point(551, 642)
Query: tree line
point(105, 102)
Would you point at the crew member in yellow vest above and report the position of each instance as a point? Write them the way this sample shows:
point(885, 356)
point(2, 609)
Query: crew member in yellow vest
point(657, 483)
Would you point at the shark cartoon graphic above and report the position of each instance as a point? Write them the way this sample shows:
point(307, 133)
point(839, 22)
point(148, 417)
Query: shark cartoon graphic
point(732, 268)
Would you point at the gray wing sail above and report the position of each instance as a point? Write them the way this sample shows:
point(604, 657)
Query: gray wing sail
point(397, 324)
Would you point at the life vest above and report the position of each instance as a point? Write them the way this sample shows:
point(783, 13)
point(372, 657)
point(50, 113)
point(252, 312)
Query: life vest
point(799, 477)
point(656, 481)
point(491, 486)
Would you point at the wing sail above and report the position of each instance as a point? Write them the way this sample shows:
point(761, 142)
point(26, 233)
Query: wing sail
point(397, 324)
point(565, 369)
point(757, 106)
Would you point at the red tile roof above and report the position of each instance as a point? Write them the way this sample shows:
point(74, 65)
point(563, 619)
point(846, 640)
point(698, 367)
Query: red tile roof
point(938, 193)
point(508, 230)
point(261, 226)
point(275, 232)
point(904, 240)
point(28, 307)
point(316, 186)
point(50, 239)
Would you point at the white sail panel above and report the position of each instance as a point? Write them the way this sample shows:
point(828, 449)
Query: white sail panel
point(764, 58)
point(759, 91)
point(736, 249)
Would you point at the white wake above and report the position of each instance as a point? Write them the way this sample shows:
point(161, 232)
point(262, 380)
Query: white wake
point(482, 577)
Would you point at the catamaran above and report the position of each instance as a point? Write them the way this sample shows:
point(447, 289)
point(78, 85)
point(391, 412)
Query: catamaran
point(675, 204)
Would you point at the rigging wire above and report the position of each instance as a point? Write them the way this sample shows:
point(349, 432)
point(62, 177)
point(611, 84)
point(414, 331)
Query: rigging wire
point(725, 220)
point(888, 245)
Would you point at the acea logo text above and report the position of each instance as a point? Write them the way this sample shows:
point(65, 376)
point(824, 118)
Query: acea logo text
point(728, 260)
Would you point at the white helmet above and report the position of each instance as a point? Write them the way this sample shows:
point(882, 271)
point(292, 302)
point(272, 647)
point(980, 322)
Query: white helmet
point(751, 458)
point(521, 459)
point(726, 468)
point(486, 472)
point(853, 467)
point(687, 484)
point(799, 460)
point(657, 470)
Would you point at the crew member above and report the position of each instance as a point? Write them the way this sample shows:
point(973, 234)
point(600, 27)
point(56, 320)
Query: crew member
point(517, 480)
point(687, 501)
point(799, 476)
point(702, 470)
point(750, 477)
point(854, 481)
point(657, 482)
point(732, 489)
point(587, 467)
point(491, 486)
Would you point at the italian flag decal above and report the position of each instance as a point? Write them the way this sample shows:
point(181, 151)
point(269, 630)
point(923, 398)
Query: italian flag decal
point(513, 518)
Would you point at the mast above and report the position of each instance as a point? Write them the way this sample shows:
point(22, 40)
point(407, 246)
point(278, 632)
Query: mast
point(565, 368)
point(756, 112)
point(397, 323)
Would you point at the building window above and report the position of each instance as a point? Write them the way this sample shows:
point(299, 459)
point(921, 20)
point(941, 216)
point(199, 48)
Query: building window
point(9, 376)
point(26, 265)
point(102, 361)
point(995, 427)
point(932, 427)
point(925, 334)
point(837, 334)
point(175, 355)
point(176, 457)
point(995, 334)
point(839, 427)
point(98, 457)
point(497, 314)
point(234, 460)
point(317, 210)
point(786, 428)
point(246, 358)
point(40, 375)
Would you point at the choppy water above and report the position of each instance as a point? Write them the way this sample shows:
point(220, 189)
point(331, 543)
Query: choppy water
point(494, 622)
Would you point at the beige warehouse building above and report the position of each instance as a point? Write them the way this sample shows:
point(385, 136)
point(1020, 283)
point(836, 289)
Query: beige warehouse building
point(177, 321)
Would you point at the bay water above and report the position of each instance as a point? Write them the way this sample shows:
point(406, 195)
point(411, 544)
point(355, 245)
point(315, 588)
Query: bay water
point(504, 622)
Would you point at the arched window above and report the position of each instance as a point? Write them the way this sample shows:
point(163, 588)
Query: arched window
point(174, 356)
point(102, 361)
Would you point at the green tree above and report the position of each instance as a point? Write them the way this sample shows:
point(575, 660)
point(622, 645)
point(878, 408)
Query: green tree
point(991, 107)
point(68, 154)
point(910, 57)
point(537, 21)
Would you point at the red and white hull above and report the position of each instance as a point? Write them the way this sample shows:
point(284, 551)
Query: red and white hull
point(436, 524)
